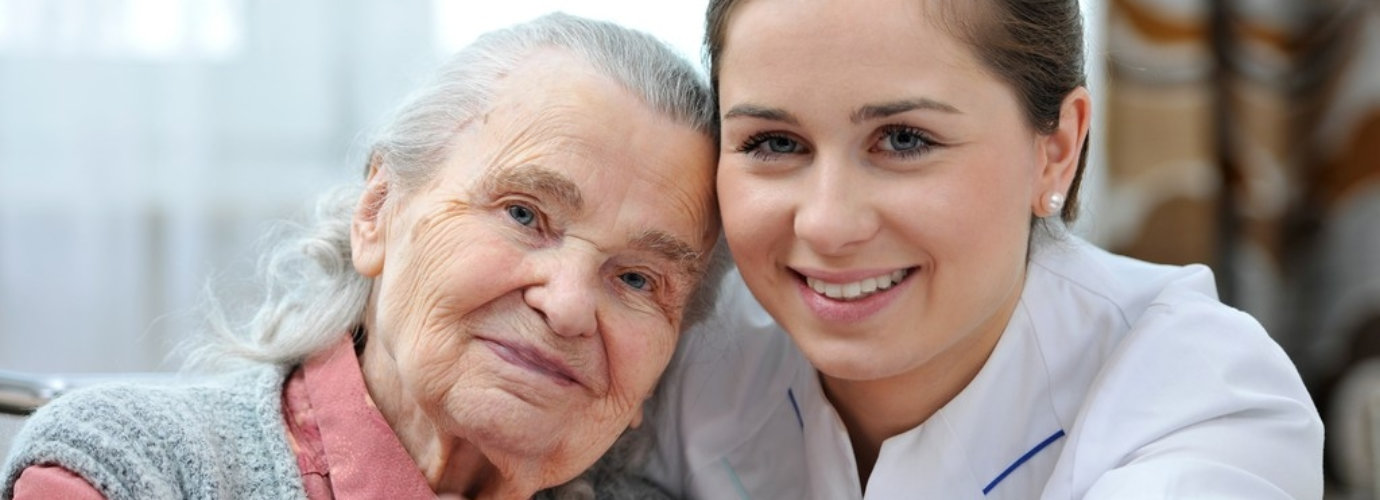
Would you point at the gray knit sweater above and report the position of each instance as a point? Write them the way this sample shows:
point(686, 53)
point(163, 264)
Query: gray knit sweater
point(222, 437)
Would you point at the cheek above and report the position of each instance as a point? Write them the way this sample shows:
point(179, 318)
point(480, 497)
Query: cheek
point(990, 191)
point(979, 223)
point(755, 212)
point(637, 359)
point(430, 371)
point(426, 302)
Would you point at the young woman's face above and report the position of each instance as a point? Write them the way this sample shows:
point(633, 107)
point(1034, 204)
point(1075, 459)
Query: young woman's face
point(876, 182)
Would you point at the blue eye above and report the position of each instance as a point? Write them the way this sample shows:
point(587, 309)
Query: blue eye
point(768, 144)
point(635, 280)
point(782, 145)
point(522, 214)
point(904, 140)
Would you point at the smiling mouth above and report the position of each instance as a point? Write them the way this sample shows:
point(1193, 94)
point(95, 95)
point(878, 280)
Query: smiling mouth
point(533, 360)
point(857, 290)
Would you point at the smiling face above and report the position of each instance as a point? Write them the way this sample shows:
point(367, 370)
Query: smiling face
point(877, 183)
point(529, 297)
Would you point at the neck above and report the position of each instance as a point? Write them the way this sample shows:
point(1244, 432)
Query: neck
point(450, 465)
point(875, 410)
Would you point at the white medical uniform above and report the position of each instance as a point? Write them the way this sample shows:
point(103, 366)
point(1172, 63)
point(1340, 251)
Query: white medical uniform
point(1115, 378)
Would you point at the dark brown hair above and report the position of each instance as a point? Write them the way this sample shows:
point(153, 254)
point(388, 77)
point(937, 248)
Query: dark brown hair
point(1036, 46)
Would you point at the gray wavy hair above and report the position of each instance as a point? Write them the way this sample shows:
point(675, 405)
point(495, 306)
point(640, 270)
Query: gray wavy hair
point(310, 291)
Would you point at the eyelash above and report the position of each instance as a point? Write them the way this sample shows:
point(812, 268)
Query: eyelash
point(927, 141)
point(754, 143)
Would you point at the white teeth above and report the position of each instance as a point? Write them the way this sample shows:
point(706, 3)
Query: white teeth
point(857, 289)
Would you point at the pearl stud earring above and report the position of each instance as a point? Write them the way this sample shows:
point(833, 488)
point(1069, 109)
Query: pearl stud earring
point(1055, 203)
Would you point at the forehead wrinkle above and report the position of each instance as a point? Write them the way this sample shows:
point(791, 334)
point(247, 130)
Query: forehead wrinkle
point(521, 133)
point(551, 185)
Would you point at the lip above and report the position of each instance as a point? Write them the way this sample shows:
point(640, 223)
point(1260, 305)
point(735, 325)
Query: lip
point(534, 360)
point(838, 311)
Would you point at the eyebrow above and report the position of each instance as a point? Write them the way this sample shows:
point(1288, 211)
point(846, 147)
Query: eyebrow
point(883, 110)
point(550, 185)
point(865, 113)
point(680, 254)
point(760, 112)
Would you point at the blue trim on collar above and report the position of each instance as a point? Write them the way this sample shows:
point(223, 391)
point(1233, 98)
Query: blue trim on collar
point(1052, 438)
point(798, 417)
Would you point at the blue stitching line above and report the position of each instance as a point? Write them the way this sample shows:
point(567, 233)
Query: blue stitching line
point(798, 418)
point(1022, 460)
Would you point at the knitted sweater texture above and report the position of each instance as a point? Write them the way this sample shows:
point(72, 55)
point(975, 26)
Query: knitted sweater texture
point(222, 437)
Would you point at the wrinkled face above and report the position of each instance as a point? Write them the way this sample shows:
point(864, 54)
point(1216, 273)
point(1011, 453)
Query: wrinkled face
point(531, 295)
point(876, 182)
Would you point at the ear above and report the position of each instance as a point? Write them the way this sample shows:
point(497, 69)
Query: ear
point(367, 231)
point(1060, 151)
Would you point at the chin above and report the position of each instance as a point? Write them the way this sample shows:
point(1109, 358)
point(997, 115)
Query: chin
point(503, 423)
point(848, 359)
point(859, 370)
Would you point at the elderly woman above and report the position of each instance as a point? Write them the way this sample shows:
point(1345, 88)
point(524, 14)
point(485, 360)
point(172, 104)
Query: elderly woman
point(483, 317)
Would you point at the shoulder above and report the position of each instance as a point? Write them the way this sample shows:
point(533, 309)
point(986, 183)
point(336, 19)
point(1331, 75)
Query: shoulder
point(1168, 317)
point(1090, 307)
point(1186, 390)
point(1073, 268)
point(142, 440)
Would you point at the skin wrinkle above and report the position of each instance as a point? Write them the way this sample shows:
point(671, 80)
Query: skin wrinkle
point(528, 178)
point(430, 235)
point(427, 240)
point(510, 172)
point(607, 177)
point(691, 263)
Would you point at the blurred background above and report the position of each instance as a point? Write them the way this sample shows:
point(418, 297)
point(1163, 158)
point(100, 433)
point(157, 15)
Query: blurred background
point(147, 145)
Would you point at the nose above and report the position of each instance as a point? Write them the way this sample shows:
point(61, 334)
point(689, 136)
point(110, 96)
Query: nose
point(835, 214)
point(566, 294)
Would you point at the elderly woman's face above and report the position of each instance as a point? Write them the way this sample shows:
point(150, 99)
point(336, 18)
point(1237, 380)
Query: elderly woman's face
point(532, 294)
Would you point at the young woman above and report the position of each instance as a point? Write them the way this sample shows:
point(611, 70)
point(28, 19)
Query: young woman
point(895, 177)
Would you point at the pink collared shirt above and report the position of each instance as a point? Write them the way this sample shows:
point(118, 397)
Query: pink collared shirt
point(344, 447)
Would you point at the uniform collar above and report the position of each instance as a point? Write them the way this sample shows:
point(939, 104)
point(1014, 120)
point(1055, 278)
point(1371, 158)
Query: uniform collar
point(984, 442)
